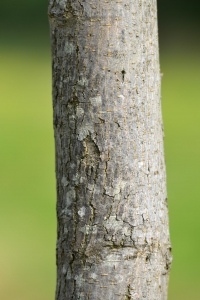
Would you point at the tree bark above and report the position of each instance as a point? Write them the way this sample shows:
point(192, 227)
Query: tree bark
point(113, 238)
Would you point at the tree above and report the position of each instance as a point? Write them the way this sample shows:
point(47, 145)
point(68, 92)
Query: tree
point(113, 238)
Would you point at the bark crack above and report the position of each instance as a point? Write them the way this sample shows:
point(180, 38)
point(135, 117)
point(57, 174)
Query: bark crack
point(128, 293)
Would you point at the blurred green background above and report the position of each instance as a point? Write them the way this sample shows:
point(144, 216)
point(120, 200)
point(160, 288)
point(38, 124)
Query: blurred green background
point(27, 183)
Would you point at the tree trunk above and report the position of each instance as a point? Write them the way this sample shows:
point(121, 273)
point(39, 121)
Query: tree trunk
point(113, 238)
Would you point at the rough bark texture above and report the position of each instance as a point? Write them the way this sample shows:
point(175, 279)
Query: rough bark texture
point(113, 239)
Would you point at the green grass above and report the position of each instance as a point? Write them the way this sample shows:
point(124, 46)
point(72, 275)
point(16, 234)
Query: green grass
point(27, 217)
point(27, 183)
point(181, 107)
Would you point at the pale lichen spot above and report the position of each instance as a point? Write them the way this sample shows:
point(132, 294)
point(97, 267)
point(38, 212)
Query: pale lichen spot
point(96, 100)
point(76, 178)
point(126, 231)
point(66, 212)
point(94, 229)
point(140, 164)
point(119, 278)
point(70, 196)
point(79, 279)
point(72, 166)
point(116, 187)
point(85, 229)
point(64, 181)
point(121, 96)
point(136, 296)
point(90, 187)
point(110, 191)
point(112, 223)
point(69, 275)
point(66, 230)
point(81, 211)
point(64, 270)
point(84, 131)
point(93, 276)
point(83, 81)
point(82, 296)
point(69, 48)
point(79, 112)
point(88, 229)
point(82, 179)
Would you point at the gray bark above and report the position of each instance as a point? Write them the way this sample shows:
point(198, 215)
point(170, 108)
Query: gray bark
point(113, 238)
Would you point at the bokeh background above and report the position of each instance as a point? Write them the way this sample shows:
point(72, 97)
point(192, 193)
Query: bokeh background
point(27, 183)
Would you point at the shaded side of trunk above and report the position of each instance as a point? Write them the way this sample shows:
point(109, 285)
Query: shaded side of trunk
point(113, 238)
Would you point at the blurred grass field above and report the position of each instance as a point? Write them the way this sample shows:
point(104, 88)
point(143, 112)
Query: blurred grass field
point(27, 217)
point(181, 108)
point(27, 183)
